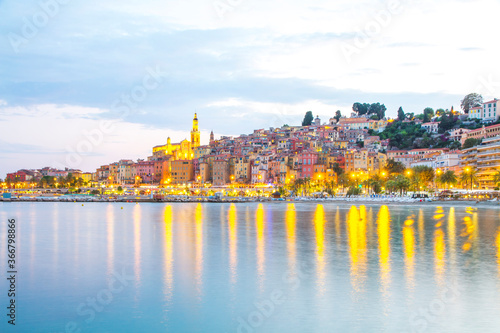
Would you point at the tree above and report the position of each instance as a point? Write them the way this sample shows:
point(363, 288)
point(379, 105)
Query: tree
point(425, 174)
point(338, 114)
point(337, 169)
point(360, 108)
point(378, 109)
point(401, 183)
point(468, 176)
point(439, 112)
point(394, 167)
point(470, 101)
point(448, 178)
point(496, 177)
point(308, 119)
point(448, 121)
point(428, 114)
point(401, 114)
point(470, 142)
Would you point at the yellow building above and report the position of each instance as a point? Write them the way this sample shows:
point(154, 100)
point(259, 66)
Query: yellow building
point(183, 150)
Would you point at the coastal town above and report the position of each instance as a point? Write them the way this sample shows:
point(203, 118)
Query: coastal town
point(362, 153)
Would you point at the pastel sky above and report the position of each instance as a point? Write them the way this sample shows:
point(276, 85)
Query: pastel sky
point(68, 65)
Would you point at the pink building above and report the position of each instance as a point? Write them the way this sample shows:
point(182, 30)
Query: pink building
point(145, 170)
point(307, 160)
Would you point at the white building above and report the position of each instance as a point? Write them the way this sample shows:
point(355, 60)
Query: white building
point(446, 160)
point(488, 111)
point(431, 127)
point(457, 134)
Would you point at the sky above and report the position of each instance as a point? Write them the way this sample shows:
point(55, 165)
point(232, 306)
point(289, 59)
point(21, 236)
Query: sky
point(87, 83)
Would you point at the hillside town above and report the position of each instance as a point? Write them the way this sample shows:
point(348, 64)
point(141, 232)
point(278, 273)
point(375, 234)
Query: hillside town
point(337, 154)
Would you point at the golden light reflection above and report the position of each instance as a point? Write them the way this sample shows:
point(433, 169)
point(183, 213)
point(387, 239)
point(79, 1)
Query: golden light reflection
point(290, 220)
point(259, 226)
point(470, 229)
point(498, 251)
point(198, 216)
point(137, 243)
point(110, 230)
point(356, 228)
point(409, 250)
point(337, 228)
point(421, 231)
point(452, 235)
point(439, 255)
point(384, 245)
point(168, 251)
point(438, 216)
point(233, 242)
point(319, 227)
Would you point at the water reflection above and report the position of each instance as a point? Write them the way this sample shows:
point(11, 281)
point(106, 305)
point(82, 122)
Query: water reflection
point(168, 252)
point(409, 251)
point(110, 232)
point(439, 245)
point(356, 228)
point(421, 232)
point(452, 236)
point(392, 262)
point(384, 245)
point(198, 214)
point(439, 256)
point(137, 243)
point(259, 226)
point(319, 227)
point(498, 251)
point(233, 242)
point(290, 219)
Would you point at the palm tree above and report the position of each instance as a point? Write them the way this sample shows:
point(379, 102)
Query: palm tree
point(469, 175)
point(448, 178)
point(496, 178)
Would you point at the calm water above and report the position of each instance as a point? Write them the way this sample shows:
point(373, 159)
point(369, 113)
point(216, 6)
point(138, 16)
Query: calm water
point(301, 267)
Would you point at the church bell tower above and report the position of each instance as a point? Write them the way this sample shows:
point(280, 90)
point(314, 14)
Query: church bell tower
point(195, 133)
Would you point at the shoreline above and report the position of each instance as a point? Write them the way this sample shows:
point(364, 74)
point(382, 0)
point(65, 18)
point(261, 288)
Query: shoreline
point(355, 201)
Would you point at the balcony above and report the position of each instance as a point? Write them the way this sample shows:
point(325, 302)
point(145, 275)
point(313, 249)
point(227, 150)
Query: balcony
point(489, 145)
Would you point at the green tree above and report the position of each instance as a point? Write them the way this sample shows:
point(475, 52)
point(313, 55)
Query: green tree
point(338, 115)
point(496, 177)
point(470, 101)
point(424, 173)
point(394, 167)
point(468, 177)
point(428, 114)
point(401, 114)
point(402, 183)
point(448, 178)
point(337, 169)
point(470, 142)
point(377, 109)
point(308, 119)
point(360, 108)
point(440, 112)
point(448, 121)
